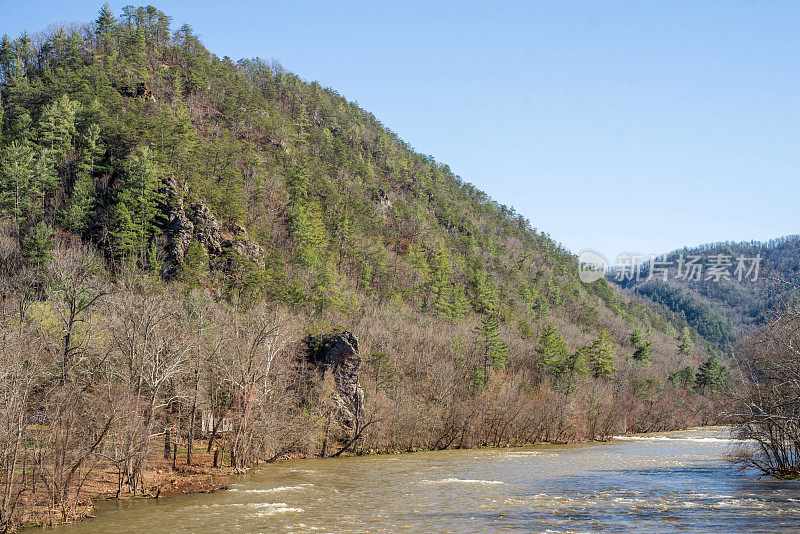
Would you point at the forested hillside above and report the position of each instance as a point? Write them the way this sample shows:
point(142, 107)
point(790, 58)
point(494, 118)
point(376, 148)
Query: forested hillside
point(173, 225)
point(749, 284)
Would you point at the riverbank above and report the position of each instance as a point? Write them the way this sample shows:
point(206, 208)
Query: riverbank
point(168, 478)
point(663, 482)
point(161, 480)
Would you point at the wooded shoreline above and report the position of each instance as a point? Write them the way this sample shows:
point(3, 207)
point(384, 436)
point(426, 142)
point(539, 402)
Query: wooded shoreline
point(167, 482)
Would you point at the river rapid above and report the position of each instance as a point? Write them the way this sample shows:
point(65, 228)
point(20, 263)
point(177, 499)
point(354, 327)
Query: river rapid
point(668, 482)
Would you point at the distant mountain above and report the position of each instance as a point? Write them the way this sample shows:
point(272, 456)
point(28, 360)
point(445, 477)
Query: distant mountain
point(723, 290)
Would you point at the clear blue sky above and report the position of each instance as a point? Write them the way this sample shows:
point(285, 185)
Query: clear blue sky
point(617, 126)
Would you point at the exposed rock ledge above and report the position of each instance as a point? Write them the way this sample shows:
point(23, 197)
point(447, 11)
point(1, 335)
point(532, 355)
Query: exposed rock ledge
point(338, 353)
point(200, 224)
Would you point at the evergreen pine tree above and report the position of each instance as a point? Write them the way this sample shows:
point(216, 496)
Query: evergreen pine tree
point(710, 375)
point(440, 284)
point(686, 346)
point(77, 214)
point(56, 127)
point(492, 347)
point(106, 21)
point(601, 356)
point(132, 218)
point(459, 305)
point(552, 350)
point(641, 346)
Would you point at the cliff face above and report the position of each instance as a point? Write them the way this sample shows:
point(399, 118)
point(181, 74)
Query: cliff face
point(337, 354)
point(200, 225)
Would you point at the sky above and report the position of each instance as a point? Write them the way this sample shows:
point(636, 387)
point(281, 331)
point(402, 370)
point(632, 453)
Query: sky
point(635, 127)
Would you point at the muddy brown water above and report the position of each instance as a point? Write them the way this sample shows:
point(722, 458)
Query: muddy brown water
point(669, 482)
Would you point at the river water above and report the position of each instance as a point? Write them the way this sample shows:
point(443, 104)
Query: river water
point(669, 482)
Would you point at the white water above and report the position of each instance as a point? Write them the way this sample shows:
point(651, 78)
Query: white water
point(670, 482)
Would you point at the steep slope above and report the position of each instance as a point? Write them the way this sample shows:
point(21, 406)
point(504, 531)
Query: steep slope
point(238, 210)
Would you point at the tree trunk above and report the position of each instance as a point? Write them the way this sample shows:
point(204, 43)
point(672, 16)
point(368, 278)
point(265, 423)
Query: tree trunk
point(167, 443)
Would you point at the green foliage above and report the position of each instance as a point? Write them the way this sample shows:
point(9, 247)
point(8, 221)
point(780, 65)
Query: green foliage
point(525, 330)
point(105, 22)
point(556, 359)
point(308, 228)
point(710, 375)
point(327, 290)
point(683, 378)
point(440, 284)
point(78, 212)
point(459, 305)
point(491, 346)
point(686, 346)
point(418, 260)
point(641, 346)
point(132, 220)
point(477, 378)
point(56, 127)
point(245, 281)
point(195, 270)
point(26, 178)
point(552, 350)
point(699, 315)
point(600, 356)
point(38, 246)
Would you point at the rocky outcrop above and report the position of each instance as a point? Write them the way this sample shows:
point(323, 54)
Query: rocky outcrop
point(337, 354)
point(239, 240)
point(200, 224)
point(206, 229)
point(179, 229)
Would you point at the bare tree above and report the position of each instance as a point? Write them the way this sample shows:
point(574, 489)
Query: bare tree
point(76, 289)
point(770, 408)
point(256, 340)
point(18, 375)
point(151, 342)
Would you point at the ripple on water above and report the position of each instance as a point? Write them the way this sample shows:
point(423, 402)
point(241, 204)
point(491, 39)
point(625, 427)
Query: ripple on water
point(461, 481)
point(272, 490)
point(687, 439)
point(259, 508)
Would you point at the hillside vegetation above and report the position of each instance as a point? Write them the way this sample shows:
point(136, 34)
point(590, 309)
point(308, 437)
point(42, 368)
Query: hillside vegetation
point(174, 224)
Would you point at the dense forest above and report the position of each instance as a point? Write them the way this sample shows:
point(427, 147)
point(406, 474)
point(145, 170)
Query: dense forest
point(179, 231)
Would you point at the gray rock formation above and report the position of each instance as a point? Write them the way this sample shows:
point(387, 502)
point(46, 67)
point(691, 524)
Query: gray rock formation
point(206, 229)
point(239, 240)
point(200, 224)
point(179, 229)
point(337, 353)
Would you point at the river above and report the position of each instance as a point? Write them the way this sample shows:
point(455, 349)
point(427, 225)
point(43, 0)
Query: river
point(668, 482)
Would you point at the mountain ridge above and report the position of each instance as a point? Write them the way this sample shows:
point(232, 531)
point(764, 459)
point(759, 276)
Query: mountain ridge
point(745, 295)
